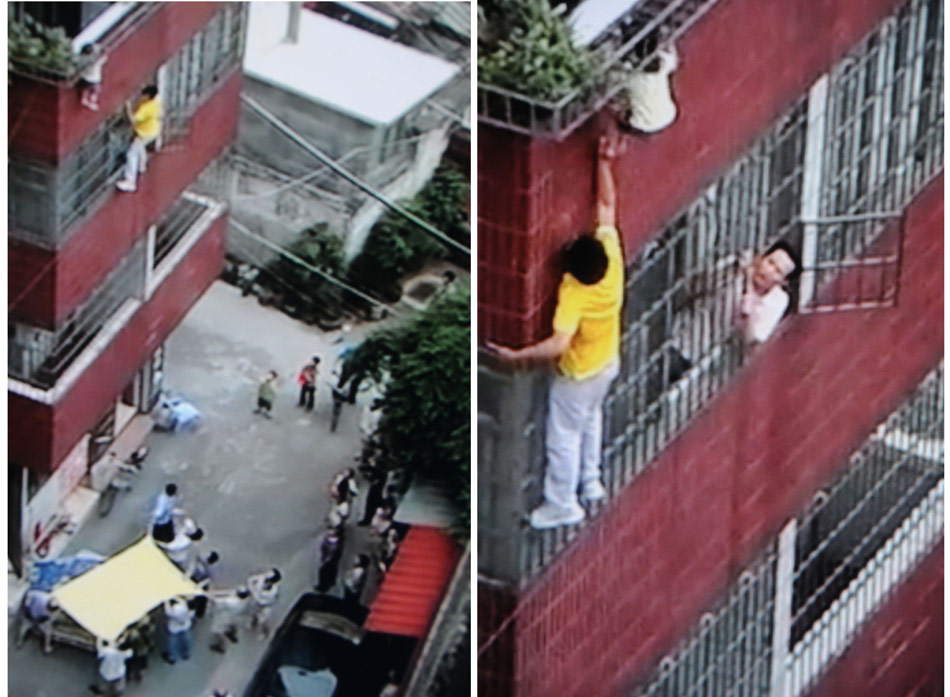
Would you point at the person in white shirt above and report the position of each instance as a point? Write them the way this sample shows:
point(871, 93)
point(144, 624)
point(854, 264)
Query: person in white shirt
point(111, 669)
point(227, 610)
point(648, 97)
point(178, 617)
point(264, 588)
point(764, 301)
point(36, 613)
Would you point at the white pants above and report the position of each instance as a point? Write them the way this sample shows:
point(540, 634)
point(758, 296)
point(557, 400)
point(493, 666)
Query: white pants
point(135, 159)
point(574, 434)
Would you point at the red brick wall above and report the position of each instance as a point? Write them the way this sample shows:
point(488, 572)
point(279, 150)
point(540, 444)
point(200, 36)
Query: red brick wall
point(105, 238)
point(45, 434)
point(661, 553)
point(900, 653)
point(743, 65)
point(47, 122)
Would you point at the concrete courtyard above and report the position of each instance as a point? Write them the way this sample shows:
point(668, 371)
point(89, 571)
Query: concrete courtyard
point(257, 487)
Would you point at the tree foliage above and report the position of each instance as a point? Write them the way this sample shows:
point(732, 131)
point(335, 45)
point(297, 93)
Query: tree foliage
point(425, 425)
point(396, 246)
point(527, 47)
point(39, 45)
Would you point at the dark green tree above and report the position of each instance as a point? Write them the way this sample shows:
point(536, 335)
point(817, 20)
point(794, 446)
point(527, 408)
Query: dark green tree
point(425, 425)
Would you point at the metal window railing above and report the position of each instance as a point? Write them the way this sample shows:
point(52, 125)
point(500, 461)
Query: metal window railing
point(872, 528)
point(176, 223)
point(192, 72)
point(44, 365)
point(68, 75)
point(853, 548)
point(889, 477)
point(667, 19)
point(884, 129)
point(730, 653)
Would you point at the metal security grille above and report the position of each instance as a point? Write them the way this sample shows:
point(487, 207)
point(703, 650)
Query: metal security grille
point(872, 526)
point(883, 141)
point(44, 201)
point(174, 225)
point(190, 74)
point(679, 345)
point(730, 654)
point(46, 364)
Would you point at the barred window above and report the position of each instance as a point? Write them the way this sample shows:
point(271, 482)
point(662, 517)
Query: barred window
point(49, 360)
point(679, 345)
point(730, 653)
point(884, 126)
point(189, 75)
point(179, 219)
point(889, 477)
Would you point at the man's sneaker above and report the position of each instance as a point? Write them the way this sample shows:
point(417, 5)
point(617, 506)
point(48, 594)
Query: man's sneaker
point(551, 515)
point(123, 185)
point(593, 490)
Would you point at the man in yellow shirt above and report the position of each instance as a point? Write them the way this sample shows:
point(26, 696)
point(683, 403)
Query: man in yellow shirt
point(146, 121)
point(586, 344)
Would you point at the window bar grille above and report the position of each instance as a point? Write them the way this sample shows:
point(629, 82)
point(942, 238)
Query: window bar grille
point(729, 651)
point(78, 331)
point(174, 225)
point(867, 532)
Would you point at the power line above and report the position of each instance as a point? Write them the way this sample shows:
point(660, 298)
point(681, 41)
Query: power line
point(297, 260)
point(353, 179)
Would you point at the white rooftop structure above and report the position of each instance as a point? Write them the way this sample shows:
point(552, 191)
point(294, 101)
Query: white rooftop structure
point(349, 70)
point(592, 17)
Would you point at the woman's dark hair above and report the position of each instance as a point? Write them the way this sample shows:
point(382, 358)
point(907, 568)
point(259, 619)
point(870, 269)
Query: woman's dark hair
point(197, 534)
point(212, 558)
point(150, 91)
point(586, 260)
point(171, 489)
point(783, 246)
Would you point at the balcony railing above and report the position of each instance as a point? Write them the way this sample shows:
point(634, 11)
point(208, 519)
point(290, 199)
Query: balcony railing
point(40, 358)
point(667, 19)
point(123, 26)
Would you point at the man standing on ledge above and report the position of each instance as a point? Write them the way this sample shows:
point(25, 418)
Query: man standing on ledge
point(586, 344)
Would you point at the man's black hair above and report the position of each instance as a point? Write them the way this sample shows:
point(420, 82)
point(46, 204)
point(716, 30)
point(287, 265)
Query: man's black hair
point(586, 260)
point(275, 575)
point(212, 558)
point(784, 246)
point(197, 534)
point(171, 489)
point(243, 593)
point(364, 560)
point(151, 91)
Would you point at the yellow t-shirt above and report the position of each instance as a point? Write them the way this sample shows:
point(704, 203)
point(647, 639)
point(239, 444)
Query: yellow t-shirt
point(591, 314)
point(147, 119)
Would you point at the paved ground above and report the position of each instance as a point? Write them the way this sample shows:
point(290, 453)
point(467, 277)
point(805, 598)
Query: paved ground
point(257, 487)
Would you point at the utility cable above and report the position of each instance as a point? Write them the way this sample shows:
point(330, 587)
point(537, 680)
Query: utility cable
point(353, 179)
point(297, 260)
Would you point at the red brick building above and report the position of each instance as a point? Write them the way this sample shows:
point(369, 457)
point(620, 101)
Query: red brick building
point(774, 520)
point(98, 278)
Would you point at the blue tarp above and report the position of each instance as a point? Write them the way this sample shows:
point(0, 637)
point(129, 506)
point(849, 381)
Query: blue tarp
point(45, 575)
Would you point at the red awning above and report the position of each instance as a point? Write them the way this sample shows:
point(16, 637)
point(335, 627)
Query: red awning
point(412, 589)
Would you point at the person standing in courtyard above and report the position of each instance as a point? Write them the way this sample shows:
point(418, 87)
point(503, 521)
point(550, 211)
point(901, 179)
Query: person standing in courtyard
point(227, 610)
point(355, 580)
point(307, 379)
point(266, 394)
point(331, 549)
point(264, 588)
point(163, 514)
point(586, 345)
point(178, 616)
point(111, 669)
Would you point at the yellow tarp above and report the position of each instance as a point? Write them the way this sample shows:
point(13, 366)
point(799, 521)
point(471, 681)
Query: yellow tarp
point(120, 591)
